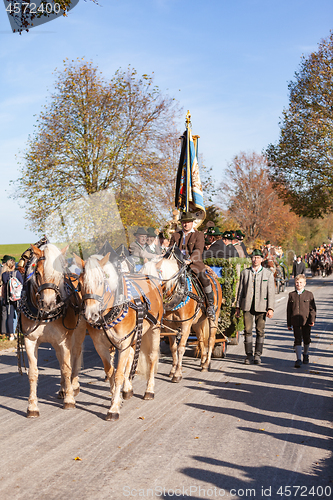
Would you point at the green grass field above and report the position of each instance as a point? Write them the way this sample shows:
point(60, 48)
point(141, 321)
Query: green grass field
point(13, 250)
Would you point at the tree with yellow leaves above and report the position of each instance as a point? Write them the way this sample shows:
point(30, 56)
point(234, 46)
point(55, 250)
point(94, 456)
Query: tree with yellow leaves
point(97, 134)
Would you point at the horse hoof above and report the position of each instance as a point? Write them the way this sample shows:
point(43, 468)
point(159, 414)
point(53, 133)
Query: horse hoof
point(127, 395)
point(148, 396)
point(204, 369)
point(76, 392)
point(176, 379)
point(171, 374)
point(69, 406)
point(112, 416)
point(32, 413)
point(61, 394)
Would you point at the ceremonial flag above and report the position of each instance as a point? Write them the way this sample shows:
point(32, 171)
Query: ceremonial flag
point(188, 195)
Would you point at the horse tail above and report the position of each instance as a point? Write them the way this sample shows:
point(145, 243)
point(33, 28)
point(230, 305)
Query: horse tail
point(149, 353)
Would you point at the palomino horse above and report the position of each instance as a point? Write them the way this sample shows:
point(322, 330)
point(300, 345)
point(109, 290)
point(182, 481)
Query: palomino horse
point(184, 309)
point(48, 313)
point(123, 312)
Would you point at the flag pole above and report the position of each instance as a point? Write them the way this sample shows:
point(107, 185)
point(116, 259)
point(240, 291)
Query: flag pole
point(188, 161)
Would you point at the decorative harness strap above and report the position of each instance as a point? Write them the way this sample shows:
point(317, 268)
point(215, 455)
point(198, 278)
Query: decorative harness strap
point(135, 299)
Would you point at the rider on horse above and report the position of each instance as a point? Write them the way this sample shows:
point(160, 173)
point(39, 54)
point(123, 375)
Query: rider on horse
point(191, 243)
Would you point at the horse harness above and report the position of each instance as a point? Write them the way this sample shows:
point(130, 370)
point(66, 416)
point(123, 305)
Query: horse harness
point(133, 297)
point(34, 311)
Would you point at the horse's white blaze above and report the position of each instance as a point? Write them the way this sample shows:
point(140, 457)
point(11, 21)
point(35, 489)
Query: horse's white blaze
point(54, 269)
point(94, 278)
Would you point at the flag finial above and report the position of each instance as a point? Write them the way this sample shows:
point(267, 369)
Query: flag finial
point(188, 120)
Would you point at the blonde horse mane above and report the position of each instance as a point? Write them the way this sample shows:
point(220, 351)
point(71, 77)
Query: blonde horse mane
point(95, 275)
point(167, 267)
point(55, 263)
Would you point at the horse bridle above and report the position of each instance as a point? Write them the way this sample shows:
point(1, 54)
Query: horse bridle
point(48, 286)
point(98, 298)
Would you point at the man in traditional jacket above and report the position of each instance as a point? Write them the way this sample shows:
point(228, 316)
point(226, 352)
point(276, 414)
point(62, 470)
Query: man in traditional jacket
point(138, 249)
point(298, 266)
point(191, 243)
point(153, 245)
point(256, 297)
point(239, 244)
point(227, 238)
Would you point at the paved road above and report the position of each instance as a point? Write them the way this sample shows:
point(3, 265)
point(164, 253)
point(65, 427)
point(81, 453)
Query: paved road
point(235, 432)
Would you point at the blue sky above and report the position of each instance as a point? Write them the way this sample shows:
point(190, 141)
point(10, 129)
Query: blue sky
point(227, 61)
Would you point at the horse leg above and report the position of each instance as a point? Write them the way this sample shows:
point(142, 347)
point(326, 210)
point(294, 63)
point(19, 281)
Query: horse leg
point(128, 386)
point(174, 353)
point(148, 360)
point(113, 413)
point(64, 355)
point(32, 353)
point(202, 332)
point(102, 346)
point(79, 335)
point(210, 328)
point(186, 328)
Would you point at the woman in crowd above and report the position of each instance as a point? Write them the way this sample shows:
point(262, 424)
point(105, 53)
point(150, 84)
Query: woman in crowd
point(9, 306)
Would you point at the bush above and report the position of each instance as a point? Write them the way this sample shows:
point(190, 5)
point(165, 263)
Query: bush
point(230, 272)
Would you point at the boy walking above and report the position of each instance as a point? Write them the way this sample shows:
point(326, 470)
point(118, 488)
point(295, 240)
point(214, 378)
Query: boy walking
point(301, 315)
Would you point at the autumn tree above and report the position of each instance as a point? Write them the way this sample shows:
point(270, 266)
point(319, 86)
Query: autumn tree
point(250, 200)
point(96, 134)
point(301, 163)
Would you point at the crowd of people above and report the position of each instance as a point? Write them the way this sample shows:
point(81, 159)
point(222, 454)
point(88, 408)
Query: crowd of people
point(320, 260)
point(149, 243)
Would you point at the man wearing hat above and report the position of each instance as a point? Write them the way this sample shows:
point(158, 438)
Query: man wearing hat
point(239, 245)
point(152, 244)
point(256, 297)
point(211, 236)
point(269, 252)
point(138, 249)
point(191, 243)
point(227, 238)
point(221, 249)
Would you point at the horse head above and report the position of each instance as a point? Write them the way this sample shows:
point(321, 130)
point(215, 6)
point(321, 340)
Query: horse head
point(99, 277)
point(48, 267)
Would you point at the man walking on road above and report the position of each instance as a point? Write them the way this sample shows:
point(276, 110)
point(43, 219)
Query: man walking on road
point(256, 297)
point(298, 266)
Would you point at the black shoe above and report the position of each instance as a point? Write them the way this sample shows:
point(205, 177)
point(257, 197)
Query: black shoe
point(305, 359)
point(210, 312)
point(298, 363)
point(248, 360)
point(257, 359)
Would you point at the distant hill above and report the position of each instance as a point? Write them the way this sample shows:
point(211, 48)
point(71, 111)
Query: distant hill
point(13, 250)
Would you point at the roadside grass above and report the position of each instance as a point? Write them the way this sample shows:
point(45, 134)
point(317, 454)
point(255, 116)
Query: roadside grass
point(5, 343)
point(13, 250)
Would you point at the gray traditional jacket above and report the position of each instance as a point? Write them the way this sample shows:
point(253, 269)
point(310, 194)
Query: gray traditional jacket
point(260, 285)
point(136, 250)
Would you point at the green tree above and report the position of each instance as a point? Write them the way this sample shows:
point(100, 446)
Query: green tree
point(301, 163)
point(95, 135)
